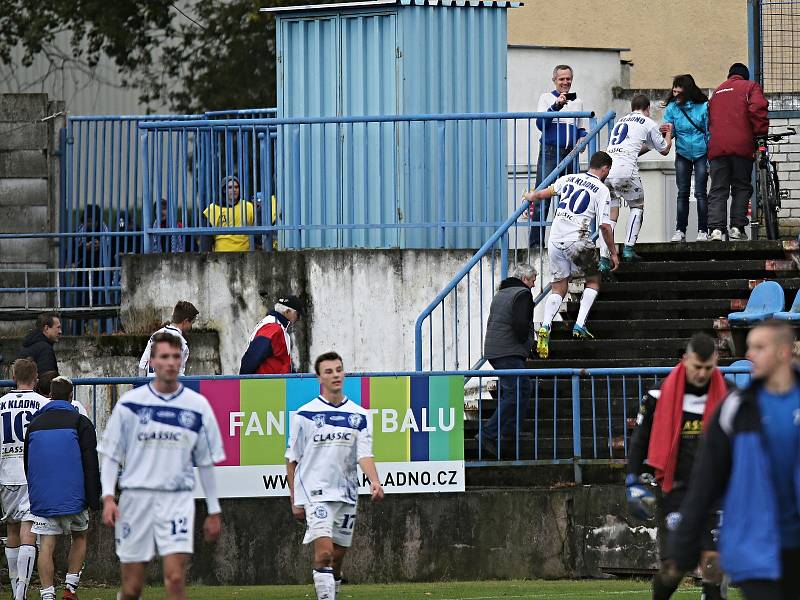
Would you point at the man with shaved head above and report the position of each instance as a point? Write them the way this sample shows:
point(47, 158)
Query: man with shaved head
point(750, 460)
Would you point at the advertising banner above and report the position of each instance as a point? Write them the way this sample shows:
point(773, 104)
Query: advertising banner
point(417, 424)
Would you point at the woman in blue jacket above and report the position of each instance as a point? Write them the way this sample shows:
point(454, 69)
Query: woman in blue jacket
point(687, 113)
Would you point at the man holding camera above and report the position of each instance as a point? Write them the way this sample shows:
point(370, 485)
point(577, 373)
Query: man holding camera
point(559, 137)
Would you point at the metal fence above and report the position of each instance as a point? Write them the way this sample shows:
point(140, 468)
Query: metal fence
point(420, 181)
point(774, 27)
point(449, 332)
point(575, 417)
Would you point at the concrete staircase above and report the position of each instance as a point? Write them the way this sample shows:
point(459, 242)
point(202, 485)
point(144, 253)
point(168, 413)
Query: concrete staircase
point(642, 319)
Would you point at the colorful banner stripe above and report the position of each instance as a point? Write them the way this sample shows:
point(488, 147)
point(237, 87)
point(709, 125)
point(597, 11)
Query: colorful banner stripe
point(415, 419)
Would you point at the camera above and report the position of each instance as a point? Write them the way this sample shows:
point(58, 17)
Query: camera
point(571, 95)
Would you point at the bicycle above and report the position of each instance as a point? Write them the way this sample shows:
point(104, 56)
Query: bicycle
point(768, 195)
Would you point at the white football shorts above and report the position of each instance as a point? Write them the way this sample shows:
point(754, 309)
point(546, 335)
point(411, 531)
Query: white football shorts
point(15, 504)
point(572, 258)
point(151, 520)
point(60, 525)
point(335, 520)
point(628, 189)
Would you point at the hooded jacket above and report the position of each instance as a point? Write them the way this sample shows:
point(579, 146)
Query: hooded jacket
point(39, 348)
point(737, 113)
point(61, 462)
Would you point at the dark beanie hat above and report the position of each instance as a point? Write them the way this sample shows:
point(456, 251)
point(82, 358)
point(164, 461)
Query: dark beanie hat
point(739, 69)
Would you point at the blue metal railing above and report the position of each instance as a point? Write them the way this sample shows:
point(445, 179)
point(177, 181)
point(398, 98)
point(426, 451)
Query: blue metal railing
point(424, 181)
point(458, 342)
point(572, 417)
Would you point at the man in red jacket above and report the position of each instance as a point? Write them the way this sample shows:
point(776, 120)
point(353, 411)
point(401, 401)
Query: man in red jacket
point(737, 113)
point(270, 347)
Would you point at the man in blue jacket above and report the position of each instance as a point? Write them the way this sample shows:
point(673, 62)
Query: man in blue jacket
point(750, 459)
point(63, 482)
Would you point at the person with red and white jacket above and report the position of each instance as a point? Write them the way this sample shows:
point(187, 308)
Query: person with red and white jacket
point(270, 347)
point(737, 113)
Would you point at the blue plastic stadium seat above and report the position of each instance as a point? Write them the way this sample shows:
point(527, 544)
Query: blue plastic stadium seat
point(765, 300)
point(740, 380)
point(793, 314)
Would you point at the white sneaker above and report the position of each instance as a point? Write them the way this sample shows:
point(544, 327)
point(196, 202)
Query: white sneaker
point(678, 236)
point(702, 236)
point(736, 234)
point(717, 235)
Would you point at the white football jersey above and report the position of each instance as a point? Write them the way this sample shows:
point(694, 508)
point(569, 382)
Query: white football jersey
point(582, 198)
point(630, 134)
point(144, 362)
point(16, 409)
point(159, 439)
point(326, 442)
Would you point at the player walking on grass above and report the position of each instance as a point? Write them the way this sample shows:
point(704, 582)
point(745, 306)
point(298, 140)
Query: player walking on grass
point(667, 436)
point(583, 199)
point(632, 136)
point(16, 408)
point(329, 436)
point(158, 433)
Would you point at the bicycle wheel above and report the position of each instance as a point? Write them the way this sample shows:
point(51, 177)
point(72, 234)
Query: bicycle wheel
point(768, 198)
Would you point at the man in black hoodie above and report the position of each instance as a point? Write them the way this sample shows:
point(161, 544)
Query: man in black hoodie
point(509, 336)
point(38, 344)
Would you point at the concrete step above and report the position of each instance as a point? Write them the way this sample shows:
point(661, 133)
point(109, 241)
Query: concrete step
point(706, 269)
point(681, 290)
point(650, 309)
point(619, 349)
point(762, 249)
point(636, 328)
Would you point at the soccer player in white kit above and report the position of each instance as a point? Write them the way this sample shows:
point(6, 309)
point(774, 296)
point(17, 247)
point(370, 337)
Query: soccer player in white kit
point(183, 316)
point(158, 433)
point(633, 135)
point(16, 409)
point(583, 198)
point(329, 436)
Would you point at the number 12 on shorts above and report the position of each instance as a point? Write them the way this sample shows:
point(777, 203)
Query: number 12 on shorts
point(180, 526)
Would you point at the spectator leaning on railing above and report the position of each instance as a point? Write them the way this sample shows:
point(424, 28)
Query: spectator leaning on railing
point(737, 112)
point(687, 113)
point(231, 212)
point(559, 137)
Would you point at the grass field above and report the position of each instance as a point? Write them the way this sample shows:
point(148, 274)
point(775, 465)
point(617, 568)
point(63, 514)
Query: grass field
point(561, 590)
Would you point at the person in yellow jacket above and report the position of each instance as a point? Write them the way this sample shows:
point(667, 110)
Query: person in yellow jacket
point(231, 212)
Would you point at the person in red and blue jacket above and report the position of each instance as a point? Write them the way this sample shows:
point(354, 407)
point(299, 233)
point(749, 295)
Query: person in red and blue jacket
point(750, 459)
point(270, 347)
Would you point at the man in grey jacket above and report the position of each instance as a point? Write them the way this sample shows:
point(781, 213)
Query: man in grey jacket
point(509, 337)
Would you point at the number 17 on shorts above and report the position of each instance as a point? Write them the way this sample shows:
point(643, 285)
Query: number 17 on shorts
point(335, 520)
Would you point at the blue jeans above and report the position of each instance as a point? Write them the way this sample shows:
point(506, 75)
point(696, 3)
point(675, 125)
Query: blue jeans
point(549, 157)
point(683, 179)
point(509, 388)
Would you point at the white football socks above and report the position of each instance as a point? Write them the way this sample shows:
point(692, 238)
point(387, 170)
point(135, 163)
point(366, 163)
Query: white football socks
point(25, 563)
point(634, 226)
point(324, 584)
point(48, 593)
point(72, 581)
point(11, 558)
point(338, 586)
point(604, 251)
point(551, 306)
point(587, 299)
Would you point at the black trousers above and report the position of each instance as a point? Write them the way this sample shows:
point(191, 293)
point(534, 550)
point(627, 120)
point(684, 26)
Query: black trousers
point(787, 588)
point(730, 176)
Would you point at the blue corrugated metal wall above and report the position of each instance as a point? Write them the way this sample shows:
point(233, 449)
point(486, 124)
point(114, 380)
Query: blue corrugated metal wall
point(393, 60)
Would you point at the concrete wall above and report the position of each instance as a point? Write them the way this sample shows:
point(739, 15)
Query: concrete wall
point(29, 175)
point(482, 534)
point(362, 303)
point(664, 38)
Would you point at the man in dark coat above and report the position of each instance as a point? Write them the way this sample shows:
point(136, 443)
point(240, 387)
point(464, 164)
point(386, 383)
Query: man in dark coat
point(38, 344)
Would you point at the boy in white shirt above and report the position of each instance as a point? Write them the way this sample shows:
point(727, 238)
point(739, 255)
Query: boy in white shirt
point(183, 316)
point(329, 437)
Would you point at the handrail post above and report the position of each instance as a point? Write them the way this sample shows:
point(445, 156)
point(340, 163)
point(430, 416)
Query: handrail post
point(441, 186)
point(296, 197)
point(147, 197)
point(576, 427)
